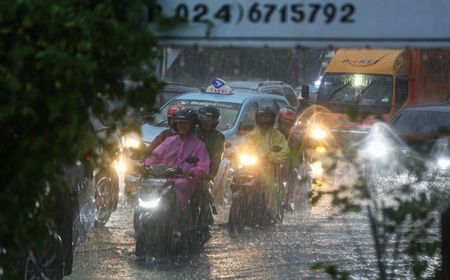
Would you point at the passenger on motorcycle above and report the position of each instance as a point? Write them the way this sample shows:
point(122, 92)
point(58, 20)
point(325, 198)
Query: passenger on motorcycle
point(262, 140)
point(208, 119)
point(178, 151)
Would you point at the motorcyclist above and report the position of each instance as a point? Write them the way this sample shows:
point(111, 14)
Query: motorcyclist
point(171, 131)
point(262, 140)
point(178, 151)
point(286, 121)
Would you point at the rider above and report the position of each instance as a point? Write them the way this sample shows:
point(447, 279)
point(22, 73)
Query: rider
point(286, 121)
point(171, 131)
point(264, 138)
point(208, 119)
point(185, 152)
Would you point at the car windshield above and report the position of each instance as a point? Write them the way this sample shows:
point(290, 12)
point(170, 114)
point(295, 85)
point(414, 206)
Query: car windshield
point(367, 92)
point(426, 123)
point(168, 95)
point(228, 112)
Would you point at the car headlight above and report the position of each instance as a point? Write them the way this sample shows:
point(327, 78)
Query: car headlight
point(248, 160)
point(377, 149)
point(120, 166)
point(149, 204)
point(443, 163)
point(131, 142)
point(318, 133)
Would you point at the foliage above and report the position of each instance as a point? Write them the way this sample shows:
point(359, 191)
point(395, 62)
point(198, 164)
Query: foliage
point(403, 223)
point(59, 60)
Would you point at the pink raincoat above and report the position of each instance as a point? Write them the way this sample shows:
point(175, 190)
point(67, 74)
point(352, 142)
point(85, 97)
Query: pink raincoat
point(174, 151)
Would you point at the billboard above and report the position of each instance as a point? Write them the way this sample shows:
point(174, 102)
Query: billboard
point(290, 23)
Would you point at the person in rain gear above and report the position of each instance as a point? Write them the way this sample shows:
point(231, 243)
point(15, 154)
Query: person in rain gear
point(208, 119)
point(130, 189)
point(171, 131)
point(262, 141)
point(286, 121)
point(178, 151)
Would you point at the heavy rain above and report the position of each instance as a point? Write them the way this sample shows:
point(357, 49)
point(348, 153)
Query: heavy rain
point(225, 154)
point(314, 232)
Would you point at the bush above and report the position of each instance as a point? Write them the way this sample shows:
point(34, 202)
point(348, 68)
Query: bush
point(59, 60)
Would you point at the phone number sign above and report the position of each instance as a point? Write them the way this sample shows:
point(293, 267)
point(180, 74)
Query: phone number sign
point(313, 23)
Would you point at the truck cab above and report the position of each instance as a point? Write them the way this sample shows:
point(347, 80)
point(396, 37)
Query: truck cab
point(374, 82)
point(379, 82)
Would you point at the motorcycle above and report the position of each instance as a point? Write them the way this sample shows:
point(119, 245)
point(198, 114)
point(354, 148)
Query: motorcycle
point(248, 204)
point(106, 178)
point(134, 151)
point(161, 227)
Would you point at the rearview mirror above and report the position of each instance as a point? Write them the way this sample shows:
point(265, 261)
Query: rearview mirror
point(305, 92)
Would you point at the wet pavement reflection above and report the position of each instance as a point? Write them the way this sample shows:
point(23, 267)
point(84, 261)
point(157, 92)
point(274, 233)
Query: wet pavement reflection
point(284, 252)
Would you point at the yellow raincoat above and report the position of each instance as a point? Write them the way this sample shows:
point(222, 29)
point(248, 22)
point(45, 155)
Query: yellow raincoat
point(261, 144)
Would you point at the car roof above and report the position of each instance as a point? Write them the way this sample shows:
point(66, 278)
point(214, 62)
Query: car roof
point(443, 108)
point(253, 84)
point(179, 88)
point(238, 96)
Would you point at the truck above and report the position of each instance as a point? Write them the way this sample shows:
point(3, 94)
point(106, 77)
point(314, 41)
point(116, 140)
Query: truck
point(360, 87)
point(379, 82)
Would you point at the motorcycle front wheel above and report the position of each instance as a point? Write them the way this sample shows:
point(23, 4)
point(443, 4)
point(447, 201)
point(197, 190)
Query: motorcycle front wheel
point(153, 239)
point(106, 196)
point(236, 214)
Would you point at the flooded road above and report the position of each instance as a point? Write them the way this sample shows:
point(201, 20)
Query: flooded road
point(284, 252)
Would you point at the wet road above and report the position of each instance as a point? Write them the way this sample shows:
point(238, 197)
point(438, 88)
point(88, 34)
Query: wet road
point(284, 252)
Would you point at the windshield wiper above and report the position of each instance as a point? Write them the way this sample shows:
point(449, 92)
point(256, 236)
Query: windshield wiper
point(331, 96)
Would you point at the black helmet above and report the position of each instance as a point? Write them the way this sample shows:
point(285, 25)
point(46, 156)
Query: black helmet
point(186, 115)
point(183, 116)
point(210, 111)
point(208, 118)
point(266, 111)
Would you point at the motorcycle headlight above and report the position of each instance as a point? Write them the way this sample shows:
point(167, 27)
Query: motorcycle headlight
point(248, 160)
point(316, 169)
point(149, 204)
point(120, 166)
point(318, 133)
point(131, 142)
